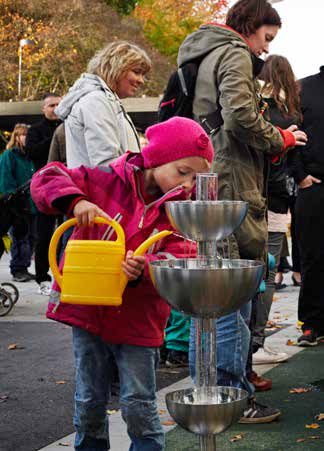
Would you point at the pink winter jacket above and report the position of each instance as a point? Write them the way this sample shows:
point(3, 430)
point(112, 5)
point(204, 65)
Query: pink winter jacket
point(142, 317)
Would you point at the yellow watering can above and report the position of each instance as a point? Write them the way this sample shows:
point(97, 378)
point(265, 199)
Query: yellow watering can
point(92, 272)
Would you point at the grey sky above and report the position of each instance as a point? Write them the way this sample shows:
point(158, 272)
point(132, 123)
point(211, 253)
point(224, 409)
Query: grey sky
point(301, 36)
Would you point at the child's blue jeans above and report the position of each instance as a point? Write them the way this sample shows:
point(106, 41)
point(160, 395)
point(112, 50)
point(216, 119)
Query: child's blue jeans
point(232, 343)
point(136, 366)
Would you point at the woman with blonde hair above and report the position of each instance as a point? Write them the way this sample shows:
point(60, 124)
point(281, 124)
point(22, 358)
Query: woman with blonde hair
point(15, 171)
point(97, 128)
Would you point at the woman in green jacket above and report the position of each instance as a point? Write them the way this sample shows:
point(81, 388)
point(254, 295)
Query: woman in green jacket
point(244, 144)
point(15, 171)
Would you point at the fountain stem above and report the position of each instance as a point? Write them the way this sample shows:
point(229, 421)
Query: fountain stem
point(207, 249)
point(206, 371)
point(207, 442)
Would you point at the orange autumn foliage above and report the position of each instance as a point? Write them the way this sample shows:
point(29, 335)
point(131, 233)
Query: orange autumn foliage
point(167, 22)
point(65, 35)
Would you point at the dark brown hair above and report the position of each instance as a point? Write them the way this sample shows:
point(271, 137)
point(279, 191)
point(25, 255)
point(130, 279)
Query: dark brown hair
point(280, 83)
point(246, 16)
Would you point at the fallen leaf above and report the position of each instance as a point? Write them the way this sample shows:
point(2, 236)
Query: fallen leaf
point(312, 426)
point(271, 325)
point(162, 412)
point(291, 343)
point(15, 346)
point(60, 382)
point(12, 346)
point(275, 298)
point(319, 417)
point(299, 390)
point(3, 398)
point(111, 412)
point(168, 423)
point(236, 438)
point(299, 440)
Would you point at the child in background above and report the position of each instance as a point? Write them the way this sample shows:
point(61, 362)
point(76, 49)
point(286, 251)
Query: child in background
point(135, 186)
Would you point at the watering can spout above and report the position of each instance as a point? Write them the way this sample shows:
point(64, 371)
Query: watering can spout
point(141, 251)
point(92, 272)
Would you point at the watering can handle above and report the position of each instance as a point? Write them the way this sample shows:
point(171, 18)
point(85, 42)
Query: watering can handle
point(66, 225)
point(141, 251)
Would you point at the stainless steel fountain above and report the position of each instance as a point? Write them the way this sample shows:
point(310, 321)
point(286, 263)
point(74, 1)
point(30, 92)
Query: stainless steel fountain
point(206, 287)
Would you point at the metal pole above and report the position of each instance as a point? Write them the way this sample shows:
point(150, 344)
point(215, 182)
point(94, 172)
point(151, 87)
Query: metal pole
point(207, 442)
point(206, 365)
point(19, 73)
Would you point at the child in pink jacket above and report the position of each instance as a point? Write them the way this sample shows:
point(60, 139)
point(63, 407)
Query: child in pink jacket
point(135, 186)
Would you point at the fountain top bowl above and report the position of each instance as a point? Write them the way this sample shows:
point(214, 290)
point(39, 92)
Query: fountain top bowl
point(206, 220)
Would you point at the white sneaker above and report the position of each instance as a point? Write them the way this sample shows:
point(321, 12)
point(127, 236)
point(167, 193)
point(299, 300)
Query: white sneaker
point(45, 288)
point(267, 355)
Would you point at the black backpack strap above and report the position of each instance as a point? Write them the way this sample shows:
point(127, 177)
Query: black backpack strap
point(182, 82)
point(211, 122)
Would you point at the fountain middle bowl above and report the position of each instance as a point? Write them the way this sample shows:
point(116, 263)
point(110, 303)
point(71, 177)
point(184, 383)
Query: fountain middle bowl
point(206, 287)
point(206, 410)
point(206, 220)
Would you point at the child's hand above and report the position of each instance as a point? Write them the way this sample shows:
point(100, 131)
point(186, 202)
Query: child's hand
point(133, 266)
point(85, 212)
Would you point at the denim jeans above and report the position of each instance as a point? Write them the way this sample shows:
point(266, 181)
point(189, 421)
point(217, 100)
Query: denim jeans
point(232, 343)
point(22, 248)
point(136, 366)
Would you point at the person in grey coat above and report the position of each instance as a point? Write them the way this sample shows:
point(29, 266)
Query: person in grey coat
point(97, 128)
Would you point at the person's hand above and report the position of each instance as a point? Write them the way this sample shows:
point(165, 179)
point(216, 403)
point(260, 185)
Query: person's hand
point(133, 266)
point(85, 212)
point(300, 137)
point(308, 181)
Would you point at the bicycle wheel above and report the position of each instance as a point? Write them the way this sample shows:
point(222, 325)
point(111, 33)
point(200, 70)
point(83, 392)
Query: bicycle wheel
point(6, 303)
point(12, 290)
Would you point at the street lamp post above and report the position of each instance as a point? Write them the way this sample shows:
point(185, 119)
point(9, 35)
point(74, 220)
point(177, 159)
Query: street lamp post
point(22, 44)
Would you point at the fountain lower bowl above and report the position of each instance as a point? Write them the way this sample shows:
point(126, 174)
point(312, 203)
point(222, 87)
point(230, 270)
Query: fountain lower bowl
point(206, 410)
point(206, 287)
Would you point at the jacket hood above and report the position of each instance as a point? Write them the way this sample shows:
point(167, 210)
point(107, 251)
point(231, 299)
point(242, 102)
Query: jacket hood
point(209, 37)
point(84, 85)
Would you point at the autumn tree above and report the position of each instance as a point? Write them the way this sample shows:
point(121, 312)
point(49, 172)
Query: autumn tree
point(46, 63)
point(65, 35)
point(122, 6)
point(167, 22)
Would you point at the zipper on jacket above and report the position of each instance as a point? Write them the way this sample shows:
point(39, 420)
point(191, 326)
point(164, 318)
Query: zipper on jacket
point(146, 207)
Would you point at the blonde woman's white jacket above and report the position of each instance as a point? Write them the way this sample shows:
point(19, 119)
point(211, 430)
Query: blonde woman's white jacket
point(97, 128)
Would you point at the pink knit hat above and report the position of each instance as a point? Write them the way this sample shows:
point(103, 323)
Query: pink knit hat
point(176, 138)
